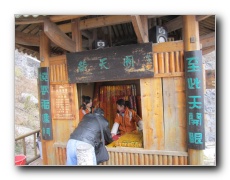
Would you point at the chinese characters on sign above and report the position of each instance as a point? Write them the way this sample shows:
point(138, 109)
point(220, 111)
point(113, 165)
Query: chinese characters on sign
point(63, 103)
point(114, 63)
point(46, 120)
point(195, 99)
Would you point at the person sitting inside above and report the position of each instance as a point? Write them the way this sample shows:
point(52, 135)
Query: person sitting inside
point(88, 133)
point(126, 119)
point(86, 107)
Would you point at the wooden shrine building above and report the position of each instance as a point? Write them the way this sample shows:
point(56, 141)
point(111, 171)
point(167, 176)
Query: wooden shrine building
point(155, 61)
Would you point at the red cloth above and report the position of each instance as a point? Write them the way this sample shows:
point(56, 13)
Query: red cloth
point(116, 137)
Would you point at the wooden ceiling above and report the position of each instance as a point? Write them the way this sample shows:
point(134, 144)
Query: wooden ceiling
point(115, 29)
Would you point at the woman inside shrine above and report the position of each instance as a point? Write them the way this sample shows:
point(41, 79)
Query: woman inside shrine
point(126, 119)
point(86, 106)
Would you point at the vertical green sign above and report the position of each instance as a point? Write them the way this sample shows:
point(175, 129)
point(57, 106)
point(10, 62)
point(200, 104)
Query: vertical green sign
point(44, 92)
point(194, 99)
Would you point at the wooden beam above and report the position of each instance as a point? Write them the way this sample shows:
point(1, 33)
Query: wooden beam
point(201, 17)
point(97, 22)
point(64, 17)
point(32, 40)
point(208, 50)
point(30, 20)
point(87, 34)
point(174, 24)
point(208, 40)
point(40, 19)
point(31, 48)
point(178, 24)
point(58, 37)
point(26, 39)
point(140, 26)
point(100, 22)
point(144, 20)
point(76, 34)
point(104, 21)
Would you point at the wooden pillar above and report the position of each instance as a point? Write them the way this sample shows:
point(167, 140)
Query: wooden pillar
point(77, 37)
point(84, 152)
point(44, 49)
point(192, 43)
point(44, 58)
point(76, 34)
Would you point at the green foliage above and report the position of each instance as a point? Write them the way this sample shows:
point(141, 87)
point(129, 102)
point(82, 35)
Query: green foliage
point(30, 108)
point(18, 72)
point(18, 147)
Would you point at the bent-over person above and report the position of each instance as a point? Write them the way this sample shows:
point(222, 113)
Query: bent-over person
point(88, 133)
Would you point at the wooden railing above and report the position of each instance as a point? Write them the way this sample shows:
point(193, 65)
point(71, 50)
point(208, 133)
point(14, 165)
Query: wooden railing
point(132, 156)
point(24, 148)
point(140, 157)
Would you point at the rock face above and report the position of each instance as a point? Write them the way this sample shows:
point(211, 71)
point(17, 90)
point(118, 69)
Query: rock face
point(210, 101)
point(26, 93)
point(29, 97)
point(28, 65)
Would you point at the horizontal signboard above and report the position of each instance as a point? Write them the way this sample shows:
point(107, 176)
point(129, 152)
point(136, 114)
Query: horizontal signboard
point(114, 63)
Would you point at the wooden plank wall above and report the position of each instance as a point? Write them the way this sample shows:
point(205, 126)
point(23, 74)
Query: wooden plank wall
point(174, 113)
point(152, 113)
point(163, 100)
point(58, 70)
point(61, 127)
point(163, 112)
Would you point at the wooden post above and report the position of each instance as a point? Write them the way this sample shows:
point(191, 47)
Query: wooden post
point(84, 152)
point(76, 34)
point(44, 57)
point(77, 37)
point(192, 43)
point(44, 49)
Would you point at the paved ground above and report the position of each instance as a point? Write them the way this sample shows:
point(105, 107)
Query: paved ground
point(210, 154)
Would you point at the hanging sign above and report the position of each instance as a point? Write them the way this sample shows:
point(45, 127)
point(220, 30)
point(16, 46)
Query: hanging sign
point(44, 92)
point(114, 63)
point(194, 99)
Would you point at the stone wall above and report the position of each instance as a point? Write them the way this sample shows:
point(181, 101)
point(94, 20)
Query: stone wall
point(210, 101)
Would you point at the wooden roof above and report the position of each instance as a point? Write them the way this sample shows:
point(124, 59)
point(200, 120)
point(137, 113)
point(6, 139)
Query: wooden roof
point(115, 29)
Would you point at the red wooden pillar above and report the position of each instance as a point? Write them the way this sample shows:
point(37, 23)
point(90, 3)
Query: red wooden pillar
point(192, 43)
